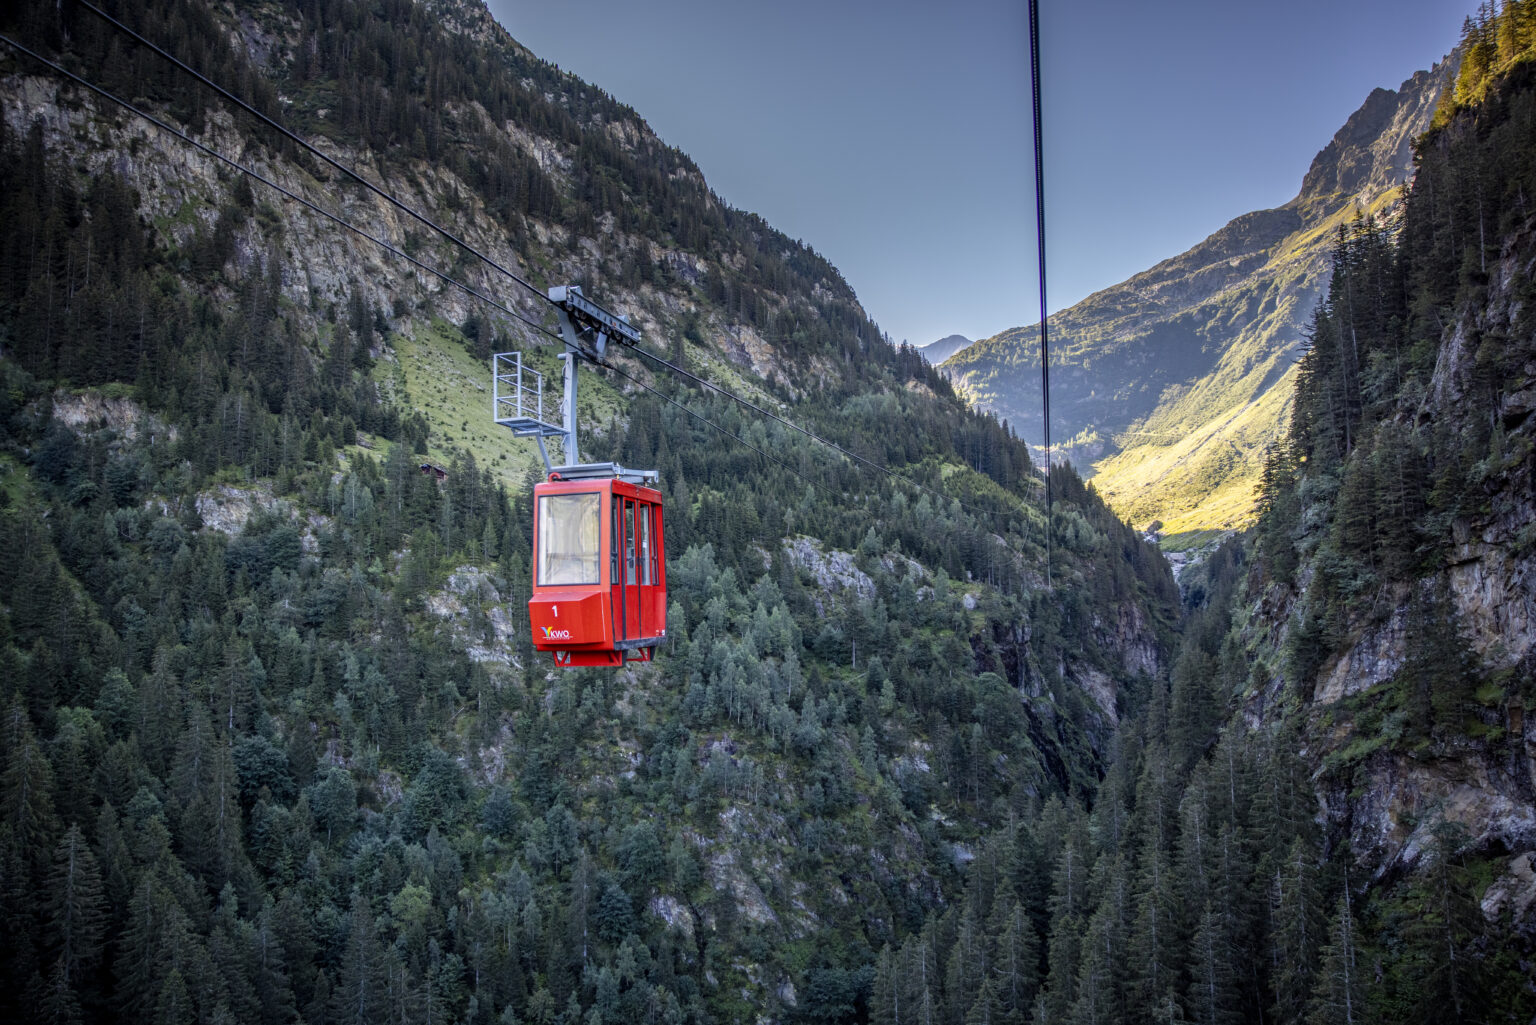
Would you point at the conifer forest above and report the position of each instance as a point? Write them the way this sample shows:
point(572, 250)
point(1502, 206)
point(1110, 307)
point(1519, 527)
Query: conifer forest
point(919, 746)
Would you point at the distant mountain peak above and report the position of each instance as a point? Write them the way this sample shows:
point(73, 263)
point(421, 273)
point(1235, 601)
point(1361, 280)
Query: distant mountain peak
point(1374, 149)
point(941, 350)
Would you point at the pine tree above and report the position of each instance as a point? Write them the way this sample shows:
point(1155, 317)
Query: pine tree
point(1280, 808)
point(230, 946)
point(61, 1004)
point(1096, 989)
point(1214, 992)
point(984, 1007)
point(1338, 991)
point(1279, 510)
point(26, 789)
point(76, 912)
point(1197, 853)
point(1296, 932)
point(1156, 944)
point(885, 1006)
point(1354, 516)
point(1439, 972)
point(269, 967)
point(1437, 669)
point(1196, 706)
point(921, 993)
point(1238, 898)
point(210, 828)
point(360, 996)
point(967, 965)
point(136, 962)
point(1063, 959)
point(1399, 470)
point(1015, 956)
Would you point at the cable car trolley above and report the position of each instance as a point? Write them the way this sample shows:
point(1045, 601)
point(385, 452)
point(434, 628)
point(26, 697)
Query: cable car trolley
point(599, 562)
point(599, 566)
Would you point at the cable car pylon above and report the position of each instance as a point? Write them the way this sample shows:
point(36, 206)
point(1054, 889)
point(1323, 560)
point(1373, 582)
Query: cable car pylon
point(599, 559)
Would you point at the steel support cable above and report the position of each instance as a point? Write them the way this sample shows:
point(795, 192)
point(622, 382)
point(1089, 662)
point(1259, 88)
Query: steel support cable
point(449, 279)
point(285, 131)
point(385, 244)
point(401, 205)
point(163, 126)
point(1045, 352)
point(460, 242)
point(449, 235)
point(215, 154)
point(470, 290)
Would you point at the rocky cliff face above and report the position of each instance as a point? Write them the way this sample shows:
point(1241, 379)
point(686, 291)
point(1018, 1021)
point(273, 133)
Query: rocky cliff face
point(1173, 383)
point(321, 264)
point(1373, 152)
point(1389, 802)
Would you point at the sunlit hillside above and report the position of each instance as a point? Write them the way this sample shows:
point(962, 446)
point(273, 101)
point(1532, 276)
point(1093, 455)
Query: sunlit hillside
point(1172, 385)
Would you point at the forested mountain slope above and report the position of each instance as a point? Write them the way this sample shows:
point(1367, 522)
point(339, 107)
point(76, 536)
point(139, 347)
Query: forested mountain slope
point(1173, 384)
point(1329, 814)
point(275, 746)
point(1395, 542)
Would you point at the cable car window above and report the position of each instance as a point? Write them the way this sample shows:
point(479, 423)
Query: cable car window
point(568, 538)
point(647, 571)
point(629, 542)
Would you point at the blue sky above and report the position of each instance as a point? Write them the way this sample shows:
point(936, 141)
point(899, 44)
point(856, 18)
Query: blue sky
point(894, 137)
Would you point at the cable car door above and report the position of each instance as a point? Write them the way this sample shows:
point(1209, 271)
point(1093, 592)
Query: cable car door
point(625, 576)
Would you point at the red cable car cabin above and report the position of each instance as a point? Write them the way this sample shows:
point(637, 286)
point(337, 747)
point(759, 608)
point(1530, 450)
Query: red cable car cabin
point(599, 572)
